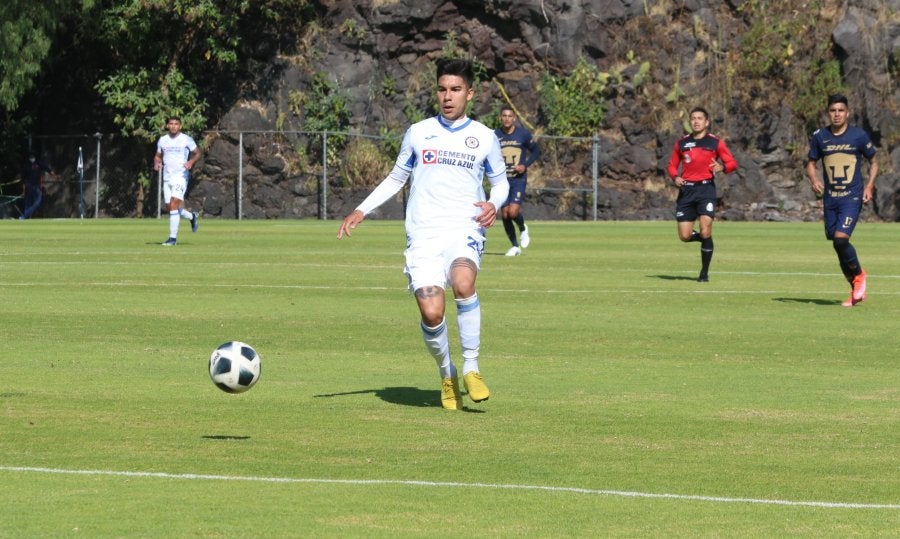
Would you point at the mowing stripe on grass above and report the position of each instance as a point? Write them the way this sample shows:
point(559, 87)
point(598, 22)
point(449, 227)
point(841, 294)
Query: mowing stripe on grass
point(574, 490)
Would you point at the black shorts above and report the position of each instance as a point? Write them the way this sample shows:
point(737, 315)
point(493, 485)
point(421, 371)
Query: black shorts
point(696, 199)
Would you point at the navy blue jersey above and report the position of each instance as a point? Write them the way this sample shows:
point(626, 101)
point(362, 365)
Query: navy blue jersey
point(841, 157)
point(518, 148)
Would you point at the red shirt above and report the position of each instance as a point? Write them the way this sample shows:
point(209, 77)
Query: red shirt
point(697, 155)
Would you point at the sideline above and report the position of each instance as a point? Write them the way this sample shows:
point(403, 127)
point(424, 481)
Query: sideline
point(573, 490)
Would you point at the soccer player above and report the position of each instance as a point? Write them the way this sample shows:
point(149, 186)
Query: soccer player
point(176, 153)
point(446, 216)
point(519, 152)
point(700, 156)
point(841, 147)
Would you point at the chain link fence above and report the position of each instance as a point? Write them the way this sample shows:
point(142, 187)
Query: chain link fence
point(273, 174)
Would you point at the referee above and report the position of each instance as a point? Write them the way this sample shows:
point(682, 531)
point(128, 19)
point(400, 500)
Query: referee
point(696, 158)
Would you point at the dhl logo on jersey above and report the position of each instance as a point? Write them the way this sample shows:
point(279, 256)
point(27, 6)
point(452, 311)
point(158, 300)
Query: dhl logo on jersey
point(839, 148)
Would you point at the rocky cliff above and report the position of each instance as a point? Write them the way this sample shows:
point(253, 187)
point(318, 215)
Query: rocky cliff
point(659, 58)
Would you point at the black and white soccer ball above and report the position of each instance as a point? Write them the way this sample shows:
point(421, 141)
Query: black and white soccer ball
point(234, 367)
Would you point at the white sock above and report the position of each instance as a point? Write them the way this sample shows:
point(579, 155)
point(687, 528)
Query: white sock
point(174, 219)
point(439, 347)
point(468, 317)
point(186, 214)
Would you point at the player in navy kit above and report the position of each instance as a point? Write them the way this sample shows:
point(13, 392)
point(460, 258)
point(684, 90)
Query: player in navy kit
point(448, 157)
point(841, 147)
point(519, 151)
point(700, 156)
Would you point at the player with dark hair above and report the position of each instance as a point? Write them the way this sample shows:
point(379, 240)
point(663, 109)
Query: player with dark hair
point(446, 216)
point(700, 156)
point(841, 147)
point(519, 151)
point(176, 153)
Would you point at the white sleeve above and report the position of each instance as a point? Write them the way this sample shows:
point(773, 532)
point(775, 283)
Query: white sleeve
point(388, 187)
point(499, 182)
point(499, 190)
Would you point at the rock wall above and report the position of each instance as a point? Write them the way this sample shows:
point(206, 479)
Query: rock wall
point(689, 44)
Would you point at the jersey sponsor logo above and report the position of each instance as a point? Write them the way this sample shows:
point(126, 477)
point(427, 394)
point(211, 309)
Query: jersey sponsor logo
point(429, 157)
point(472, 142)
point(447, 157)
point(839, 148)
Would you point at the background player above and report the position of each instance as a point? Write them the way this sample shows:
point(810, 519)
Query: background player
point(519, 152)
point(446, 216)
point(841, 147)
point(176, 154)
point(698, 156)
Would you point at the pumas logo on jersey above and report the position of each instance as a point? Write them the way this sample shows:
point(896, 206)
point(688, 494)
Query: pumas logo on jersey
point(471, 142)
point(429, 157)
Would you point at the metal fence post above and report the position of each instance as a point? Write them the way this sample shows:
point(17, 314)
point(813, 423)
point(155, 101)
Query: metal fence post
point(159, 193)
point(324, 199)
point(240, 193)
point(595, 170)
point(98, 136)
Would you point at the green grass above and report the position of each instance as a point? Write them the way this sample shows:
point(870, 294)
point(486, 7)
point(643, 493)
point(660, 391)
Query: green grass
point(611, 370)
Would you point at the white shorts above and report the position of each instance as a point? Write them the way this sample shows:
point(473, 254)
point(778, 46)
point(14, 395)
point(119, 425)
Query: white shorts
point(428, 260)
point(174, 188)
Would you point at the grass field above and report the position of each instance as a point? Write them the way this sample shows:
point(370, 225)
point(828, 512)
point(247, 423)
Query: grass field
point(627, 399)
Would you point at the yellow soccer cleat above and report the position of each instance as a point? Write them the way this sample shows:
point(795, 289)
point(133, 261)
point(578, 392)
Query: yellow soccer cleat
point(476, 387)
point(450, 396)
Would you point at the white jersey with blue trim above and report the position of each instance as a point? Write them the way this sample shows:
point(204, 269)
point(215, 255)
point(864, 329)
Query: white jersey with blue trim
point(448, 163)
point(175, 153)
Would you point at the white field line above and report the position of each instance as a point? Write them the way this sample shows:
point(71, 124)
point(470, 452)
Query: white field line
point(620, 291)
point(573, 490)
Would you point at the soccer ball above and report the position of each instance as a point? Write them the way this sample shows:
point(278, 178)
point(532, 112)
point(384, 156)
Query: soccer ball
point(234, 367)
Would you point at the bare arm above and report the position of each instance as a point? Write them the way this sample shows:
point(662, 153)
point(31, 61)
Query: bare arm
point(813, 176)
point(869, 190)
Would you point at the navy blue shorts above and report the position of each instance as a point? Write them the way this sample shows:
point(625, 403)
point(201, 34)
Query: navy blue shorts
point(516, 191)
point(841, 214)
point(695, 199)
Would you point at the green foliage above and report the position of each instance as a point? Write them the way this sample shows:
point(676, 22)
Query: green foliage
point(364, 163)
point(642, 75)
point(194, 44)
point(822, 79)
point(143, 104)
point(574, 104)
point(351, 29)
point(324, 107)
point(27, 31)
point(452, 49)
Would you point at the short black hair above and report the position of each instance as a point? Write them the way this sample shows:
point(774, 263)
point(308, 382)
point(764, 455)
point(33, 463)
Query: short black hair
point(837, 98)
point(505, 108)
point(700, 109)
point(170, 118)
point(457, 67)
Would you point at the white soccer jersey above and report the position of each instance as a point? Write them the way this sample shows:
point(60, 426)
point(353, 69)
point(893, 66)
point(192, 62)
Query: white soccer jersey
point(448, 164)
point(175, 153)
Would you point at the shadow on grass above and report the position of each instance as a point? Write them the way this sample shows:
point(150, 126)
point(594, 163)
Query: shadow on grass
point(814, 301)
point(224, 437)
point(404, 396)
point(674, 277)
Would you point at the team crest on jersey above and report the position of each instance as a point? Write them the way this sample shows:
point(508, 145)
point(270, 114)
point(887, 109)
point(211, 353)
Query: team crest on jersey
point(429, 157)
point(471, 142)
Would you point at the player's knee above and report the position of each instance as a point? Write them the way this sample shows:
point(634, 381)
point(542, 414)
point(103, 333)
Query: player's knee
point(840, 243)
